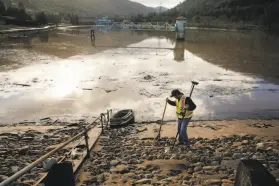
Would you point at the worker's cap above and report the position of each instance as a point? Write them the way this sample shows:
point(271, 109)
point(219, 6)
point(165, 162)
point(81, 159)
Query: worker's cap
point(175, 92)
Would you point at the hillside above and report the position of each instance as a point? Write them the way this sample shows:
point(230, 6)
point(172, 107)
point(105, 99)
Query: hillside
point(160, 9)
point(85, 7)
point(256, 12)
point(221, 12)
point(246, 10)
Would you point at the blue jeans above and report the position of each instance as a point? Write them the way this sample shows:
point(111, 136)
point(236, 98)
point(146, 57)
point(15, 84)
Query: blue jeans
point(183, 137)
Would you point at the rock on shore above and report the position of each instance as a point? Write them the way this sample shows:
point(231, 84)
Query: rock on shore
point(124, 159)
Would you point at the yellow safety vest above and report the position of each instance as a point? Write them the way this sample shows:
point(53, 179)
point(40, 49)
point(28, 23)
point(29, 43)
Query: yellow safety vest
point(180, 107)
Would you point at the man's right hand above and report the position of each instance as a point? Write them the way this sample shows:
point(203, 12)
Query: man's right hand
point(172, 103)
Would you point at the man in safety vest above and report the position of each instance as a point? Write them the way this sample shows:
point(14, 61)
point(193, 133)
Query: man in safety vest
point(183, 113)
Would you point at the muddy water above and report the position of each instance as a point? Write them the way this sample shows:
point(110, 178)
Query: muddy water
point(67, 75)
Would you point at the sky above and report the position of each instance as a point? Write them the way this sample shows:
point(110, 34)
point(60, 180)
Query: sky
point(155, 3)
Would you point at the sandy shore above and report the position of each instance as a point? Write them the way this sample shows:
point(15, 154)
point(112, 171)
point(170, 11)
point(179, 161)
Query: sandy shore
point(129, 156)
point(268, 129)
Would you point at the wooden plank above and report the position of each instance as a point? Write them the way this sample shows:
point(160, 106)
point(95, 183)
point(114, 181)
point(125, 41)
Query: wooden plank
point(253, 173)
point(93, 135)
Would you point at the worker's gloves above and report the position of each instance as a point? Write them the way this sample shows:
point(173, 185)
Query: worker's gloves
point(182, 113)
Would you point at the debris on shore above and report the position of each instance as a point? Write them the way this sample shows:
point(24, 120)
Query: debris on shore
point(19, 149)
point(125, 159)
point(24, 85)
point(129, 156)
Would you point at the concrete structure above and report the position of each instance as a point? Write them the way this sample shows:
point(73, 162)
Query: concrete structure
point(180, 28)
point(104, 21)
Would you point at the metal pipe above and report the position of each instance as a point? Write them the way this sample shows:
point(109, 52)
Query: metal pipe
point(93, 121)
point(42, 158)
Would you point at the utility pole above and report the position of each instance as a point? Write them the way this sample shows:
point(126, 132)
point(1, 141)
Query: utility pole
point(160, 7)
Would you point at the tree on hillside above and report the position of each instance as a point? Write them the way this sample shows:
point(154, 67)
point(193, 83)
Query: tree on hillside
point(41, 18)
point(206, 12)
point(2, 8)
point(21, 6)
point(74, 19)
point(22, 12)
point(117, 18)
point(196, 19)
point(19, 14)
point(77, 20)
point(54, 18)
point(138, 18)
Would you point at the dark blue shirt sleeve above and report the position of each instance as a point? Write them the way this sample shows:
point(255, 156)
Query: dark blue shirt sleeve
point(172, 103)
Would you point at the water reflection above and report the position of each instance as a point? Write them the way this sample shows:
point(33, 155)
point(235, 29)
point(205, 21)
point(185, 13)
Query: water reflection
point(66, 81)
point(178, 51)
point(89, 84)
point(44, 37)
point(75, 32)
point(115, 73)
point(93, 42)
point(255, 53)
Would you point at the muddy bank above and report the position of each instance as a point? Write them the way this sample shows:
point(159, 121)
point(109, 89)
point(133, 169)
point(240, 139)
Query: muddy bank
point(122, 157)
